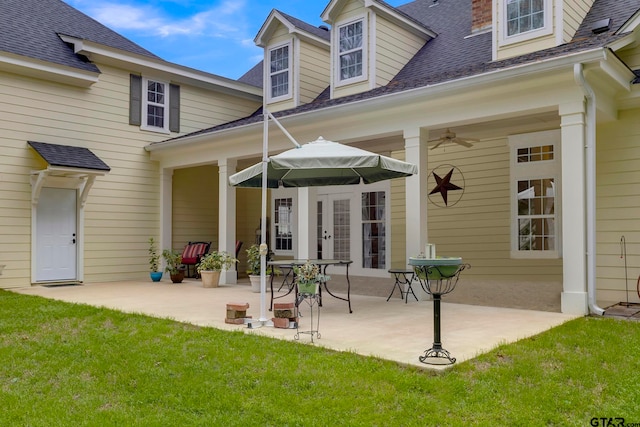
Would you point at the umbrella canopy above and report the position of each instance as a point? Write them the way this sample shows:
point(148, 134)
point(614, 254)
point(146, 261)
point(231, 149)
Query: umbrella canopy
point(323, 162)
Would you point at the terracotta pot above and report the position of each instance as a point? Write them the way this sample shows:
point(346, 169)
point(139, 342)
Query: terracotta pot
point(177, 277)
point(210, 279)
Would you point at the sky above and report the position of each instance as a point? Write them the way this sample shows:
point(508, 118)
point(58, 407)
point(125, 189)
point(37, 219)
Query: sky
point(215, 36)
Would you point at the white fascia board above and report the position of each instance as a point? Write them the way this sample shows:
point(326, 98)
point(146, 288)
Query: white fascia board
point(180, 72)
point(203, 137)
point(617, 70)
point(47, 70)
point(631, 24)
point(404, 97)
point(394, 16)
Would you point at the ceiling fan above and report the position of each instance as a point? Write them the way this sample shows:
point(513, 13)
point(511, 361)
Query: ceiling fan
point(449, 136)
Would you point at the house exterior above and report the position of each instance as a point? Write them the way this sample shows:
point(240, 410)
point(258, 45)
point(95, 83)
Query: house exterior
point(79, 195)
point(547, 93)
point(537, 206)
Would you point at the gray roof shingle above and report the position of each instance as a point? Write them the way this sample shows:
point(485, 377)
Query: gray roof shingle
point(69, 156)
point(30, 28)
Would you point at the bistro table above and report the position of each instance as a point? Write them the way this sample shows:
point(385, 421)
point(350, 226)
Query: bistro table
point(437, 276)
point(322, 264)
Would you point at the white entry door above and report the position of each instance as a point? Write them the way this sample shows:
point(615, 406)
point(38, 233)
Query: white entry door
point(334, 226)
point(56, 235)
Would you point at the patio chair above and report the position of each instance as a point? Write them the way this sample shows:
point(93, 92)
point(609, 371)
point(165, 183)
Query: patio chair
point(192, 253)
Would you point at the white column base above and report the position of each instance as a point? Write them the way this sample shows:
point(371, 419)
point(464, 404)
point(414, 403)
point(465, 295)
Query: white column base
point(574, 303)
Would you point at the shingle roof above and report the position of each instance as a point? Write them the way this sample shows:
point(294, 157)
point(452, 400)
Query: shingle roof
point(454, 55)
point(69, 156)
point(30, 28)
point(316, 31)
point(254, 76)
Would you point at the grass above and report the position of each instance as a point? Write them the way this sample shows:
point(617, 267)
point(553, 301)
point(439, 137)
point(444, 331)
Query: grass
point(65, 364)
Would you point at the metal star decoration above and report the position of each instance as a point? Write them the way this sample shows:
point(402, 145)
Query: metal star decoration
point(444, 185)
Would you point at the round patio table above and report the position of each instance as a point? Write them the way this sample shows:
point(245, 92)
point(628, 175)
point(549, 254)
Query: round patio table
point(437, 276)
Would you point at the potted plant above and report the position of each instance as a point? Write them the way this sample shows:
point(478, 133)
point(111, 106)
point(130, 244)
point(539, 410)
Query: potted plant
point(174, 266)
point(211, 265)
point(154, 261)
point(308, 278)
point(253, 267)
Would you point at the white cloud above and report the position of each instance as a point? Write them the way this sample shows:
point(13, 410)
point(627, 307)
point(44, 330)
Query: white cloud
point(225, 20)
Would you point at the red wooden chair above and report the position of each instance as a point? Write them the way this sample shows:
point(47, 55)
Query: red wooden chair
point(192, 253)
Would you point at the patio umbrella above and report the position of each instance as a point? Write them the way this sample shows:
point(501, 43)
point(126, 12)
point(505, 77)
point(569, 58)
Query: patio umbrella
point(323, 162)
point(316, 163)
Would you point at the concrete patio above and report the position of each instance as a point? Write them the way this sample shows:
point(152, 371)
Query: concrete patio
point(390, 330)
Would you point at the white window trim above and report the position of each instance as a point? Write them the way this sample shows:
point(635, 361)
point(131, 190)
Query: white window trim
point(145, 104)
point(547, 29)
point(365, 51)
point(284, 193)
point(289, 94)
point(535, 170)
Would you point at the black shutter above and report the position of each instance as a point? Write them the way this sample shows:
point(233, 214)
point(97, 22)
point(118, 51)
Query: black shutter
point(135, 100)
point(174, 108)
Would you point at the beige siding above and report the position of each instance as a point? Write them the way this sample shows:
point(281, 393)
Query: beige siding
point(477, 228)
point(618, 204)
point(123, 207)
point(314, 71)
point(351, 9)
point(395, 46)
point(525, 47)
point(398, 219)
point(574, 13)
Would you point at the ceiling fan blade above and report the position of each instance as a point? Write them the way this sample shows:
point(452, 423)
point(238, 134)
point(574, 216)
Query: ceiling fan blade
point(440, 142)
point(462, 142)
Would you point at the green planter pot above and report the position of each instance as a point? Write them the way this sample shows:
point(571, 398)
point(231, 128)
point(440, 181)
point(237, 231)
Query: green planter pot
point(308, 288)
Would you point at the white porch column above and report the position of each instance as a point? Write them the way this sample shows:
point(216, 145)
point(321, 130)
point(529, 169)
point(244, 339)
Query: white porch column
point(227, 216)
point(306, 232)
point(574, 243)
point(416, 197)
point(416, 191)
point(166, 207)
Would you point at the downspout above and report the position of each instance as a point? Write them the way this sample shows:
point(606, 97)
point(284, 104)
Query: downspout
point(590, 171)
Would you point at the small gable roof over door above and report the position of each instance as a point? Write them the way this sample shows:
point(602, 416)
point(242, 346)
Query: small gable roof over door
point(69, 156)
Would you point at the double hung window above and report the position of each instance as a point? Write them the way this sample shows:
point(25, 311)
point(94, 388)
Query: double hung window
point(351, 59)
point(524, 15)
point(279, 72)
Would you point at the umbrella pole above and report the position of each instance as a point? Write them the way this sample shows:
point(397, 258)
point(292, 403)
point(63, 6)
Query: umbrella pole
point(264, 250)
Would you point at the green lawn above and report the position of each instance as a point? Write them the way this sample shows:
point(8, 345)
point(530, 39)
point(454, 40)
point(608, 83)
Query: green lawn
point(73, 365)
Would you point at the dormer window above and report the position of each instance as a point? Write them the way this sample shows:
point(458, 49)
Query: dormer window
point(524, 20)
point(524, 16)
point(279, 72)
point(352, 54)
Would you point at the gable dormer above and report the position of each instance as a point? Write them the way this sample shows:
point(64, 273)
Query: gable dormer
point(370, 43)
point(524, 26)
point(296, 61)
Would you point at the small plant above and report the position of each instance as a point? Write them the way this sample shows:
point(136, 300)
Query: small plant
point(173, 260)
point(154, 258)
point(216, 261)
point(253, 262)
point(309, 272)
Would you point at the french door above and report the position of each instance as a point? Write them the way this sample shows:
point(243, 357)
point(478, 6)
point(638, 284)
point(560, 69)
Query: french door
point(334, 226)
